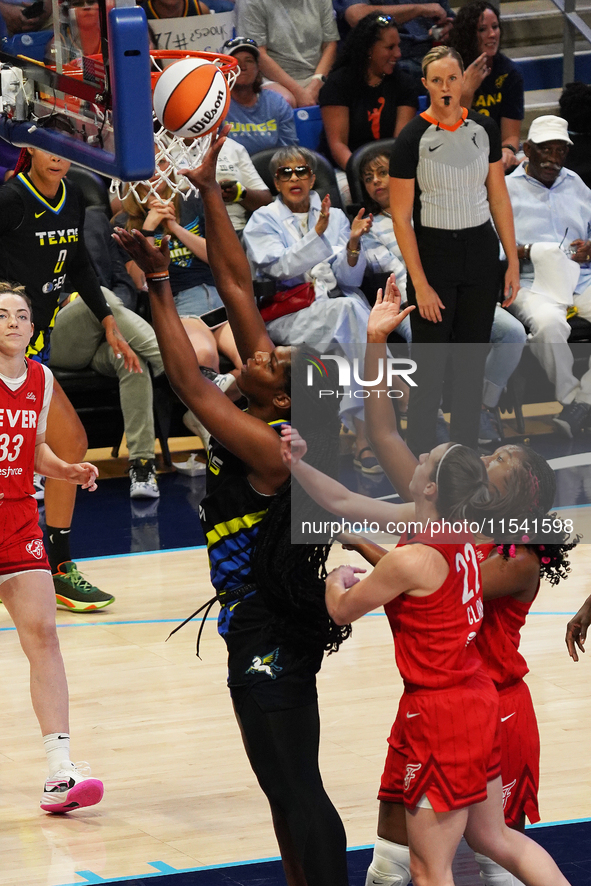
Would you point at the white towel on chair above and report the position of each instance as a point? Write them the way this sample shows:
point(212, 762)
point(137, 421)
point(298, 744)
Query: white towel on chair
point(555, 274)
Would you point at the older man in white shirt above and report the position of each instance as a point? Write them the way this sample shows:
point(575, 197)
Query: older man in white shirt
point(552, 212)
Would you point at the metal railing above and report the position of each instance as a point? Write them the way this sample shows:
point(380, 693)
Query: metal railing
point(573, 23)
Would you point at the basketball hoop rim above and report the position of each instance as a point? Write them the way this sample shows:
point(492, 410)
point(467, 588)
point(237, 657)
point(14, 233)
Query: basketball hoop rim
point(226, 63)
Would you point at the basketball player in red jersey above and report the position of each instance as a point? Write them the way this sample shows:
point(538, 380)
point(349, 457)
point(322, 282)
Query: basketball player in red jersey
point(444, 757)
point(25, 578)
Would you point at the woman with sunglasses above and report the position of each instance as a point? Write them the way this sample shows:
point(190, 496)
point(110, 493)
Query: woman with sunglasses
point(366, 97)
point(260, 118)
point(300, 239)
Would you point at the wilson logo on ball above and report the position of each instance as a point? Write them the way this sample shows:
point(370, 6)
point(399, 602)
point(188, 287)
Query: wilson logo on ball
point(191, 97)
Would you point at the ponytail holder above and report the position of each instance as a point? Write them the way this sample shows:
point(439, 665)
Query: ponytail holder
point(546, 560)
point(512, 551)
point(500, 550)
point(524, 538)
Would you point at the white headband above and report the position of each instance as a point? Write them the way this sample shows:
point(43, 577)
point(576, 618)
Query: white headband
point(447, 451)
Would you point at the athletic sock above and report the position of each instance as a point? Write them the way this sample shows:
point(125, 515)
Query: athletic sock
point(58, 546)
point(57, 749)
point(492, 874)
point(390, 865)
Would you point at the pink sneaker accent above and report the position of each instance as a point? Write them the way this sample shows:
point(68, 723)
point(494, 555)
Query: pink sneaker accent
point(69, 789)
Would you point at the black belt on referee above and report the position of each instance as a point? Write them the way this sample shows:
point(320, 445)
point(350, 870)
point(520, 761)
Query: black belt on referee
point(224, 598)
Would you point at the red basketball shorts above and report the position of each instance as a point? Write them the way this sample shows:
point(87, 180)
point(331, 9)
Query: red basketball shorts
point(520, 754)
point(445, 744)
point(24, 550)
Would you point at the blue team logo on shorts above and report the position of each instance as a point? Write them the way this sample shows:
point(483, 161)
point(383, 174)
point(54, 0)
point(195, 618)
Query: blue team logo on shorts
point(265, 664)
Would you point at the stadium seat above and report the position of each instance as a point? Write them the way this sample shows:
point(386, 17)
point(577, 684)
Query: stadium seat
point(308, 124)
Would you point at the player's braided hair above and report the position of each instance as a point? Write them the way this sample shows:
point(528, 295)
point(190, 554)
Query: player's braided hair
point(463, 36)
point(554, 565)
point(290, 577)
point(531, 487)
point(530, 490)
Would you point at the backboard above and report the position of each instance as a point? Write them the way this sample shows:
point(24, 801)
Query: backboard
point(91, 101)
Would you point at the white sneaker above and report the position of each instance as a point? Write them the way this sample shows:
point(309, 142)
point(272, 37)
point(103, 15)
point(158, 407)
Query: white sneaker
point(142, 474)
point(192, 467)
point(71, 788)
point(39, 484)
point(191, 422)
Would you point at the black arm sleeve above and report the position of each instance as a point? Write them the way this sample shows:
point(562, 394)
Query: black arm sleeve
point(83, 278)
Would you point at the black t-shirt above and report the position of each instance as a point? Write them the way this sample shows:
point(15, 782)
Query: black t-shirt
point(450, 166)
point(501, 93)
point(40, 240)
point(185, 270)
point(372, 109)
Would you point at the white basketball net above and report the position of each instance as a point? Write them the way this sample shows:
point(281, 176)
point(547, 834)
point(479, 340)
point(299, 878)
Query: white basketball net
point(172, 153)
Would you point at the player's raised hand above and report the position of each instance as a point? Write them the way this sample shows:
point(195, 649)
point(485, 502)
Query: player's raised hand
point(386, 315)
point(149, 258)
point(203, 177)
point(293, 447)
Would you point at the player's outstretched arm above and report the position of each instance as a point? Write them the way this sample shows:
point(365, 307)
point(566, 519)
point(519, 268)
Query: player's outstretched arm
point(576, 630)
point(332, 495)
point(47, 463)
point(382, 430)
point(227, 259)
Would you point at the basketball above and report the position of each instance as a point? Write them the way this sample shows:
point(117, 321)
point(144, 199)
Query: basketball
point(191, 97)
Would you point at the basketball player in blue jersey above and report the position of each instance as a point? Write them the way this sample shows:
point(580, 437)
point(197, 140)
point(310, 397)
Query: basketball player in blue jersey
point(41, 239)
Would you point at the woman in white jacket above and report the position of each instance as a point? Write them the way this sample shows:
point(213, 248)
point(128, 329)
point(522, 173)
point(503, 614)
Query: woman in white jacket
point(297, 239)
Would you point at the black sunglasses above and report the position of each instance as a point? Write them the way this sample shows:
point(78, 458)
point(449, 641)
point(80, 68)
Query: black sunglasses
point(284, 173)
point(240, 41)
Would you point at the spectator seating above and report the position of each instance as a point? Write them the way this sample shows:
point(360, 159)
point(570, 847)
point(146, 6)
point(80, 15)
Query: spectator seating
point(32, 44)
point(308, 124)
point(326, 182)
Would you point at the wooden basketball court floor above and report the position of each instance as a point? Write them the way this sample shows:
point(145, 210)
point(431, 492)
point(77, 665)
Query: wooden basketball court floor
point(157, 727)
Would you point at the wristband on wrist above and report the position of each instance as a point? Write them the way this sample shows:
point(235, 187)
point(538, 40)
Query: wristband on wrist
point(353, 251)
point(527, 252)
point(240, 193)
point(320, 77)
point(510, 148)
point(157, 276)
point(147, 233)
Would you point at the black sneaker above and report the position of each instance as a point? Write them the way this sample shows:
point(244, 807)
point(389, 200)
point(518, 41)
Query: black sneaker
point(572, 419)
point(142, 474)
point(74, 592)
